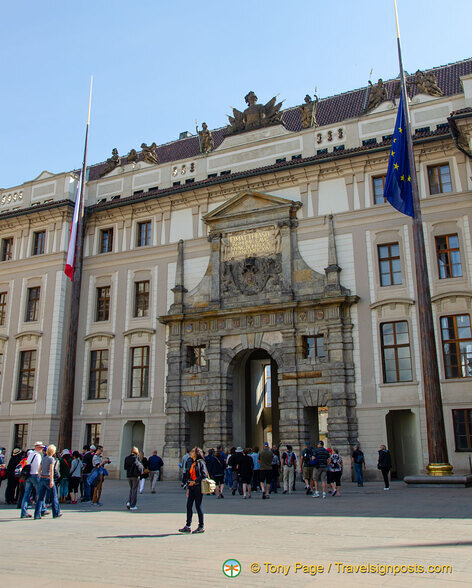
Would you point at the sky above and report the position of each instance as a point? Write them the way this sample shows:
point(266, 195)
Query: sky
point(159, 65)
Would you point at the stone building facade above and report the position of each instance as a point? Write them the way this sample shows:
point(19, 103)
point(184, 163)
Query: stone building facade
point(259, 290)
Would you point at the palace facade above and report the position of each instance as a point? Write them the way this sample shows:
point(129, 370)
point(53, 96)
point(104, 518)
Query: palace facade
point(250, 284)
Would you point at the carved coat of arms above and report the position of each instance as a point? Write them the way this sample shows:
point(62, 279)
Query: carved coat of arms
point(251, 275)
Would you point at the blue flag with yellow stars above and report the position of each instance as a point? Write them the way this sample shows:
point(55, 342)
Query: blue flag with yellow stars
point(398, 181)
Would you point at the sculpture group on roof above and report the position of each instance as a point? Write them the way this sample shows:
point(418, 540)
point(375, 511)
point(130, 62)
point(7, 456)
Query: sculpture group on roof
point(255, 116)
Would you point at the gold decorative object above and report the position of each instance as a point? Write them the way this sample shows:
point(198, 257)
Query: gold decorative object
point(206, 139)
point(439, 469)
point(255, 116)
point(308, 112)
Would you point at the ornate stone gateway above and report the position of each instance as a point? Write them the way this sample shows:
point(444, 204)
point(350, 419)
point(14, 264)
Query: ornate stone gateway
point(259, 304)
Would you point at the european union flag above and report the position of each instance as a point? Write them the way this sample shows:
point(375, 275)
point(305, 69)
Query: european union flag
point(398, 181)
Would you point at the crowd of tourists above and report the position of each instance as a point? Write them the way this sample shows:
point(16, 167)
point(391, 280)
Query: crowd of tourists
point(48, 478)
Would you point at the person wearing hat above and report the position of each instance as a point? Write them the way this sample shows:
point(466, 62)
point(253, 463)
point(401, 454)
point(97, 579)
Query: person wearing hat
point(265, 476)
point(12, 481)
point(34, 462)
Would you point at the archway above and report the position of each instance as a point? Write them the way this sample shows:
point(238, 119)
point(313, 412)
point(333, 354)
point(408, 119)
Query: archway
point(133, 436)
point(255, 394)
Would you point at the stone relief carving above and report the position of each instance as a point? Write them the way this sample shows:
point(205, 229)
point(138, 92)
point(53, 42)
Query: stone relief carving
point(427, 84)
point(149, 153)
point(255, 116)
point(308, 112)
point(111, 163)
point(251, 275)
point(132, 156)
point(206, 139)
point(378, 94)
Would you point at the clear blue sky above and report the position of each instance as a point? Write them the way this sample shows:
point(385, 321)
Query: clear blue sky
point(159, 65)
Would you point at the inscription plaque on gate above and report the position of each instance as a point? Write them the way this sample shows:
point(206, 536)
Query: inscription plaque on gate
point(250, 244)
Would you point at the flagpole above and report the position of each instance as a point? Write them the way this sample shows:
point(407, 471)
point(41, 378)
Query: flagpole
point(437, 447)
point(67, 401)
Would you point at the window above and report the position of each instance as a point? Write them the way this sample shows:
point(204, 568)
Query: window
point(20, 439)
point(457, 345)
point(338, 148)
point(281, 160)
point(212, 175)
point(196, 355)
point(396, 357)
point(32, 304)
point(321, 151)
point(98, 374)
point(389, 264)
point(141, 298)
point(313, 347)
point(225, 173)
point(439, 177)
point(299, 156)
point(378, 185)
point(103, 304)
point(106, 241)
point(463, 429)
point(144, 234)
point(267, 386)
point(367, 142)
point(7, 249)
point(139, 372)
point(176, 183)
point(92, 434)
point(3, 308)
point(39, 240)
point(26, 375)
point(449, 256)
point(190, 180)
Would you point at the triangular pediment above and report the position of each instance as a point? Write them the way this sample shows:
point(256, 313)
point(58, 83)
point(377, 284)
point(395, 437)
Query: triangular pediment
point(44, 175)
point(249, 201)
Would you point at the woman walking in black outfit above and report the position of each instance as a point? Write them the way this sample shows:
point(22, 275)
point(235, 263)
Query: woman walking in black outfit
point(197, 472)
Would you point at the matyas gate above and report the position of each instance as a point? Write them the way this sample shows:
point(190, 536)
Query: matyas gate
point(249, 283)
point(248, 357)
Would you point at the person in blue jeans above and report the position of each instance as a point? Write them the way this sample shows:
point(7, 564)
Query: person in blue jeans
point(46, 479)
point(358, 463)
point(34, 463)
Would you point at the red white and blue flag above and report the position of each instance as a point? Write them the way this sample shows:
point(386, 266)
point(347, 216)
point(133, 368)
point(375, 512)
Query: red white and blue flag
point(69, 269)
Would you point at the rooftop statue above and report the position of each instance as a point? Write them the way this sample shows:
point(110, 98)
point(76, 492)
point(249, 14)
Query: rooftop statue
point(111, 163)
point(206, 139)
point(255, 116)
point(132, 156)
point(149, 153)
point(378, 94)
point(427, 84)
point(308, 112)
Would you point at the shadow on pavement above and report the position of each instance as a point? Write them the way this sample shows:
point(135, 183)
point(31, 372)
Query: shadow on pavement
point(140, 536)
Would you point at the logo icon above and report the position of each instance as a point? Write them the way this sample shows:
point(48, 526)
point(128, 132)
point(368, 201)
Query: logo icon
point(231, 568)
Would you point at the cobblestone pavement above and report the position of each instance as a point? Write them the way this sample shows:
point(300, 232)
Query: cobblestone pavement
point(111, 546)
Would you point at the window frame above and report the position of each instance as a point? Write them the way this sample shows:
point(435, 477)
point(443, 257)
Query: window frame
point(106, 245)
point(468, 428)
point(91, 436)
point(456, 343)
point(395, 346)
point(3, 308)
point(7, 249)
point(448, 266)
point(39, 243)
point(96, 361)
point(33, 298)
point(147, 226)
point(102, 304)
point(142, 368)
point(318, 344)
point(141, 299)
point(27, 367)
point(391, 258)
point(374, 194)
point(23, 436)
point(196, 355)
point(438, 187)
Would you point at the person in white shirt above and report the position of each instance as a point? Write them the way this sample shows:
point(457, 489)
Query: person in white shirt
point(33, 463)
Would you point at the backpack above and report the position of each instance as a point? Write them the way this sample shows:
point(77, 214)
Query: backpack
point(307, 457)
point(289, 458)
point(18, 469)
point(26, 471)
point(336, 463)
